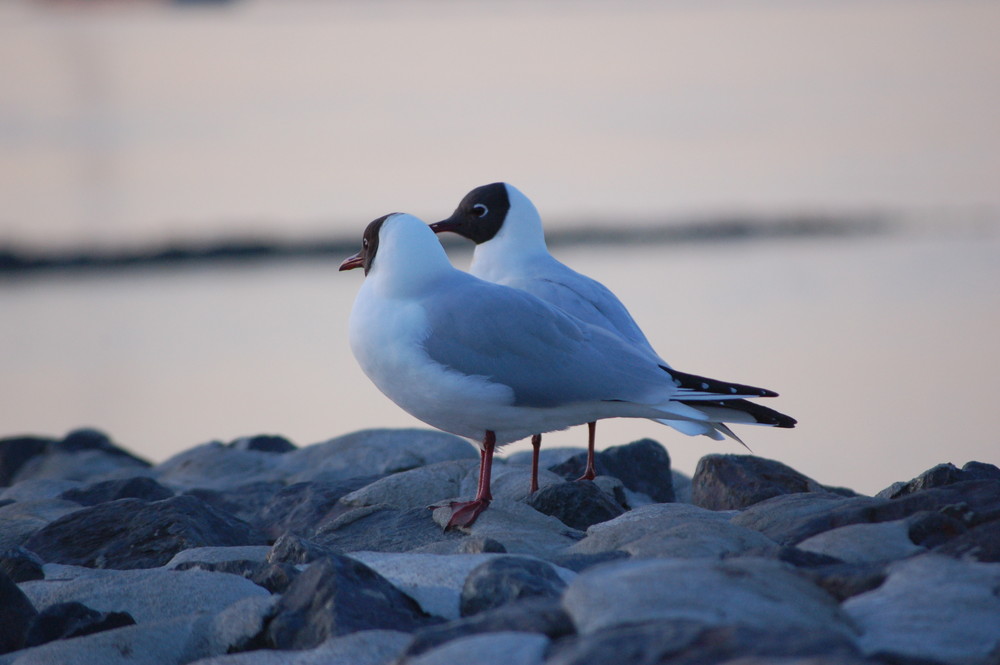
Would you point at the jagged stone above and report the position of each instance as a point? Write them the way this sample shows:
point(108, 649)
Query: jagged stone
point(337, 596)
point(131, 533)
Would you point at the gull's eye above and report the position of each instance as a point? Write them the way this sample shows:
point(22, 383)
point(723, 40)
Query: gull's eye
point(364, 243)
point(479, 210)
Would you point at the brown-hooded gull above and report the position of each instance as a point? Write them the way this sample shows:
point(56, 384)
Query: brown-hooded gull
point(497, 364)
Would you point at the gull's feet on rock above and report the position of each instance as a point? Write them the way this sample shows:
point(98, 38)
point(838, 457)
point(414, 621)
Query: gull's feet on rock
point(464, 513)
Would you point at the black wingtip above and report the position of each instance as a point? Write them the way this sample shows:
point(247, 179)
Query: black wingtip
point(705, 384)
point(761, 414)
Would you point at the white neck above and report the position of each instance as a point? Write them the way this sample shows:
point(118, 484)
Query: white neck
point(520, 238)
point(408, 256)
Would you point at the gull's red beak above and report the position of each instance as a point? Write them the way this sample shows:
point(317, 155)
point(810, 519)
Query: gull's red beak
point(352, 262)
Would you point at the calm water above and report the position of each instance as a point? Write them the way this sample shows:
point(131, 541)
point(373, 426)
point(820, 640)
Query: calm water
point(884, 348)
point(135, 123)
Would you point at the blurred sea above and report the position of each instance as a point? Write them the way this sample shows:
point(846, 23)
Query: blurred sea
point(714, 129)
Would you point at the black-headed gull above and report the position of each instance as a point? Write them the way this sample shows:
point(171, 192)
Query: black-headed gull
point(511, 250)
point(490, 362)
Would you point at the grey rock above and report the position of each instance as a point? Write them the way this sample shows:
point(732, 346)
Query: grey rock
point(981, 543)
point(298, 508)
point(21, 520)
point(216, 466)
point(682, 486)
point(644, 521)
point(581, 562)
point(534, 615)
point(547, 457)
point(643, 466)
point(933, 529)
point(708, 539)
point(441, 481)
point(436, 581)
point(865, 543)
point(644, 643)
point(42, 488)
point(507, 579)
point(500, 648)
point(82, 455)
point(16, 614)
point(759, 593)
point(366, 647)
point(845, 580)
point(275, 577)
point(168, 642)
point(577, 504)
point(374, 452)
point(691, 643)
point(67, 620)
point(733, 482)
point(792, 518)
point(147, 595)
point(519, 528)
point(338, 596)
point(802, 559)
point(415, 488)
point(258, 553)
point(466, 545)
point(380, 529)
point(941, 476)
point(242, 501)
point(137, 487)
point(295, 550)
point(21, 565)
point(510, 482)
point(932, 607)
point(131, 533)
point(265, 443)
point(15, 451)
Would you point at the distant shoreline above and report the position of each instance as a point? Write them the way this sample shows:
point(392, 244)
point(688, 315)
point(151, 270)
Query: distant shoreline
point(18, 261)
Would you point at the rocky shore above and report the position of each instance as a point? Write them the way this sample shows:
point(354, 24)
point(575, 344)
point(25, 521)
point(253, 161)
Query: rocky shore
point(258, 552)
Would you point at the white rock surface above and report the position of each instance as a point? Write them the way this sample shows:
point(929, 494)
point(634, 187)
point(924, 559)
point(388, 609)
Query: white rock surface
point(864, 543)
point(414, 488)
point(503, 648)
point(217, 467)
point(42, 488)
point(433, 580)
point(712, 539)
point(368, 647)
point(148, 595)
point(167, 642)
point(220, 554)
point(760, 593)
point(509, 481)
point(374, 452)
point(649, 520)
point(933, 607)
point(519, 528)
point(20, 520)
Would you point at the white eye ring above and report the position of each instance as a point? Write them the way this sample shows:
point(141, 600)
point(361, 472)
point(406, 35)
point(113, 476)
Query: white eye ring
point(480, 210)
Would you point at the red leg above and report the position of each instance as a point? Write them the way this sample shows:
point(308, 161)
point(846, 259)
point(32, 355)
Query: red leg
point(590, 472)
point(464, 513)
point(536, 444)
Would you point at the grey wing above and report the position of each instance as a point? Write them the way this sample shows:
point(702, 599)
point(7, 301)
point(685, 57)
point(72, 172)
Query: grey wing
point(545, 356)
point(587, 300)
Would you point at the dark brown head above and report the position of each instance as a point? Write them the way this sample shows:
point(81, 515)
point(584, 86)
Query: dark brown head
point(369, 247)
